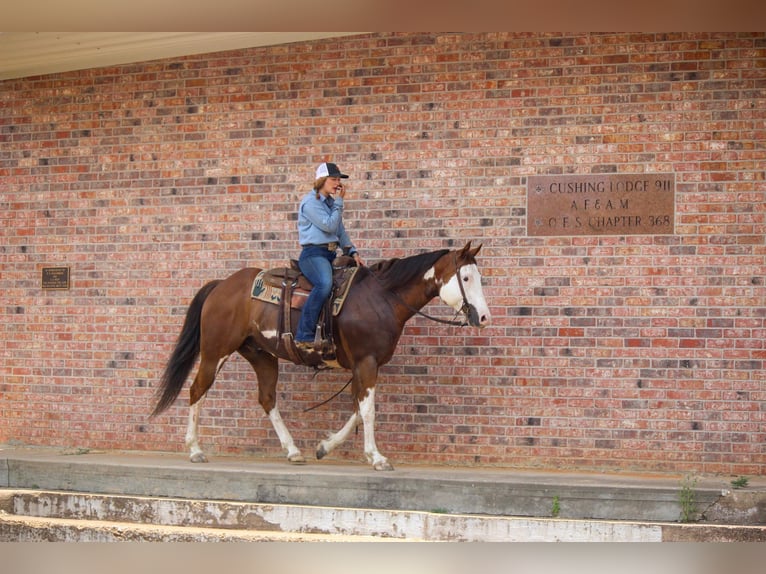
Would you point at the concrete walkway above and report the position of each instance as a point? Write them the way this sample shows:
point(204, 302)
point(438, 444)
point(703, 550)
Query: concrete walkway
point(495, 504)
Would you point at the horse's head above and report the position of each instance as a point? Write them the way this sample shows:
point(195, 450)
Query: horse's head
point(460, 285)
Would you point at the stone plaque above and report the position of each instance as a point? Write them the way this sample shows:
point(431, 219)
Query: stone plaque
point(603, 204)
point(55, 278)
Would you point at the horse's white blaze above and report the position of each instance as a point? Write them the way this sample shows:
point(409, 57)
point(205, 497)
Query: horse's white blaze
point(285, 438)
point(471, 278)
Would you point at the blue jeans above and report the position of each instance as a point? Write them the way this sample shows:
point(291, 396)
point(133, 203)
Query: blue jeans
point(316, 265)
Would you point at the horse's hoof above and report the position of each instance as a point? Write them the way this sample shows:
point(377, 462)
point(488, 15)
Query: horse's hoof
point(321, 452)
point(198, 457)
point(383, 465)
point(297, 458)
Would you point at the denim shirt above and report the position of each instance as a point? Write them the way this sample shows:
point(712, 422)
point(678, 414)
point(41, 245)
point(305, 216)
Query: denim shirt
point(321, 221)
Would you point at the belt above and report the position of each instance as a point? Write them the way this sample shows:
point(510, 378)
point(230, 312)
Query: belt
point(329, 246)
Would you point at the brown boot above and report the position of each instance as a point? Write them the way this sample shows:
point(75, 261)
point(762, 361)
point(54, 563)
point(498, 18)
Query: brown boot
point(306, 346)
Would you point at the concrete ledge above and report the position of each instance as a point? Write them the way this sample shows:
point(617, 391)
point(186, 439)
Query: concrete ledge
point(462, 491)
point(442, 492)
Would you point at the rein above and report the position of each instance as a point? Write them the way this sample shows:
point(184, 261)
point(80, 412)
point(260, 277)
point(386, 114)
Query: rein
point(324, 402)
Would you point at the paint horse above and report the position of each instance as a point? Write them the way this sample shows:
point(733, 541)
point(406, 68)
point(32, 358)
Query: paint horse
point(223, 318)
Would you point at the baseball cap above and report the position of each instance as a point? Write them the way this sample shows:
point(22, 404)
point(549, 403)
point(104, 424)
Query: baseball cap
point(329, 170)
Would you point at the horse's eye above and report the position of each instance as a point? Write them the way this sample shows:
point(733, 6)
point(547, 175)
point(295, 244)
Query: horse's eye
point(466, 278)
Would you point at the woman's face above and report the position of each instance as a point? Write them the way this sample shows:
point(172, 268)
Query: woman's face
point(331, 185)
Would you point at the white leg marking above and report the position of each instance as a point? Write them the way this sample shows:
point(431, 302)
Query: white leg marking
point(367, 412)
point(192, 436)
point(285, 438)
point(327, 445)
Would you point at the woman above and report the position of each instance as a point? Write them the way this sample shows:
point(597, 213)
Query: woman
point(320, 233)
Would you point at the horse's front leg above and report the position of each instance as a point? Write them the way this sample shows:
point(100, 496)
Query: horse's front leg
point(328, 445)
point(367, 415)
point(367, 412)
point(365, 375)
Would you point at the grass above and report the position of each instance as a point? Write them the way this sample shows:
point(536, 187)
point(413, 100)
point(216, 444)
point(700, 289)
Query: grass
point(740, 482)
point(687, 499)
point(555, 507)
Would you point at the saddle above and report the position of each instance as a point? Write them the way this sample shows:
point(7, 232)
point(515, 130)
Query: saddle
point(288, 288)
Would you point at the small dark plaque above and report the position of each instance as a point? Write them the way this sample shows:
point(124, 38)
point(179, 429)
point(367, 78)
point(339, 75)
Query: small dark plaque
point(55, 278)
point(605, 204)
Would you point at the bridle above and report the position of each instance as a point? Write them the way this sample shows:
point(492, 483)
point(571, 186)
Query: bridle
point(467, 309)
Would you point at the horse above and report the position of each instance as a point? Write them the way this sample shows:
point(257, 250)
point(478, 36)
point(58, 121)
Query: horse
point(224, 318)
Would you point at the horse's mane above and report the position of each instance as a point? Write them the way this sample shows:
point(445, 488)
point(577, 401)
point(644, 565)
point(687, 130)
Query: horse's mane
point(397, 272)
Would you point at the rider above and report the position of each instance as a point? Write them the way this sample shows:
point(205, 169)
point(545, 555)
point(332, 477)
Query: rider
point(320, 233)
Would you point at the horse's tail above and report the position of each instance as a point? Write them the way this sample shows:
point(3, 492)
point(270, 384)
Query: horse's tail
point(184, 354)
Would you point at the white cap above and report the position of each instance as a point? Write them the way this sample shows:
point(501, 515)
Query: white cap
point(329, 170)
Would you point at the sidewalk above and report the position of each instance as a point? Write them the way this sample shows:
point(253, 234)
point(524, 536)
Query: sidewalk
point(427, 489)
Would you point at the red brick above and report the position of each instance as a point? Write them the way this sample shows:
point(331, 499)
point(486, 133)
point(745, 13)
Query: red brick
point(151, 178)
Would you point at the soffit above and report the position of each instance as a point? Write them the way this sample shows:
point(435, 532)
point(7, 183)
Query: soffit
point(24, 54)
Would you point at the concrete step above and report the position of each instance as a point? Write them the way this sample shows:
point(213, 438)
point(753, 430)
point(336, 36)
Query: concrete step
point(37, 529)
point(134, 517)
point(30, 515)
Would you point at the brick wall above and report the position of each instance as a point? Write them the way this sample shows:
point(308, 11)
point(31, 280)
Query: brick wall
point(637, 352)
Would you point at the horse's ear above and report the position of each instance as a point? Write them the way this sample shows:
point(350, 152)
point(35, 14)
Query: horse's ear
point(467, 253)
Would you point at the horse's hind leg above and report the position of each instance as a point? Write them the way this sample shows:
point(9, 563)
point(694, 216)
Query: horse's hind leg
point(192, 436)
point(202, 382)
point(285, 438)
point(266, 368)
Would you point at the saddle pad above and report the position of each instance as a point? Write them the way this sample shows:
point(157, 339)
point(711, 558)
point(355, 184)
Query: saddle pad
point(263, 291)
point(345, 287)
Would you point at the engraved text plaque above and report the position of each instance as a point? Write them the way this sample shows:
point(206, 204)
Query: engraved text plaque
point(603, 204)
point(55, 278)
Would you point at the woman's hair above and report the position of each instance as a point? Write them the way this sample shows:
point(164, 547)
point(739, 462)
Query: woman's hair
point(319, 182)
